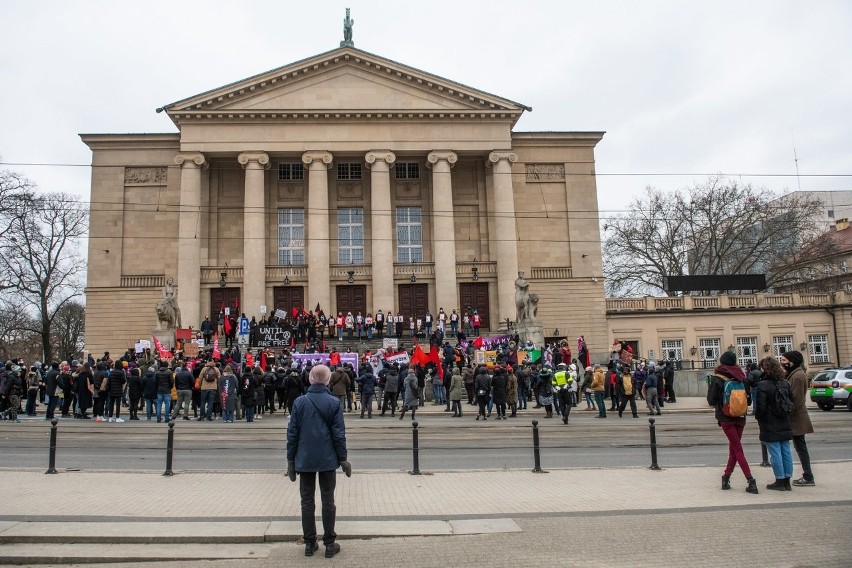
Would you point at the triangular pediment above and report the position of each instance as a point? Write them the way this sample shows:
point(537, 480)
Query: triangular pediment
point(344, 80)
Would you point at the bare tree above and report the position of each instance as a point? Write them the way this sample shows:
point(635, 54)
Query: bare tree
point(716, 228)
point(14, 188)
point(18, 337)
point(68, 327)
point(39, 251)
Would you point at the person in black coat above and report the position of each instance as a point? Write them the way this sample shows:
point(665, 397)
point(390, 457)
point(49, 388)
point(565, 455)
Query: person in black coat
point(149, 391)
point(482, 388)
point(134, 392)
point(776, 429)
point(498, 391)
point(246, 391)
point(117, 379)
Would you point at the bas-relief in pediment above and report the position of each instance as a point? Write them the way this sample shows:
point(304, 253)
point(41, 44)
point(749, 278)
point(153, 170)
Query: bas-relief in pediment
point(346, 89)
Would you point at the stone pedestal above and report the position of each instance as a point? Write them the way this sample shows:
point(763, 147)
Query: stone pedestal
point(531, 331)
point(164, 336)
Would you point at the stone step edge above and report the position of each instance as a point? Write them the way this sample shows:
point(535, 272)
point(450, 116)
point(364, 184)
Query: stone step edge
point(267, 532)
point(28, 555)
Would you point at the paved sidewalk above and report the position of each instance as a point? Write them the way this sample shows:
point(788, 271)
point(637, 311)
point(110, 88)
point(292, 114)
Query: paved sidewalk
point(129, 496)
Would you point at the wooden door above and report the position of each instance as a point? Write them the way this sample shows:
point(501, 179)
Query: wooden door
point(413, 300)
point(474, 296)
point(224, 297)
point(352, 298)
point(288, 297)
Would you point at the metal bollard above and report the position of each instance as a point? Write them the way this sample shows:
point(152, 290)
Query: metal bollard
point(654, 464)
point(764, 455)
point(170, 448)
point(536, 448)
point(51, 463)
point(415, 449)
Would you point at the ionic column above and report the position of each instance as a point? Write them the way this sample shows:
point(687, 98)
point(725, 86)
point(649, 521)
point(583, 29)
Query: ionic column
point(443, 228)
point(504, 223)
point(189, 241)
point(254, 232)
point(319, 273)
point(381, 236)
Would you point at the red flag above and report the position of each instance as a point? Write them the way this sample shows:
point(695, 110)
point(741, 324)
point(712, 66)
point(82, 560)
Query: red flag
point(419, 357)
point(227, 325)
point(263, 360)
point(249, 360)
point(434, 357)
point(477, 342)
point(163, 352)
point(318, 310)
point(237, 304)
point(216, 353)
point(294, 311)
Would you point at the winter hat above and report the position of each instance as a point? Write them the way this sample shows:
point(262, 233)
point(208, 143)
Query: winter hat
point(728, 358)
point(320, 374)
point(794, 357)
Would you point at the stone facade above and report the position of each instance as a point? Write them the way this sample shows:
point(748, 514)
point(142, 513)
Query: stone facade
point(695, 330)
point(345, 130)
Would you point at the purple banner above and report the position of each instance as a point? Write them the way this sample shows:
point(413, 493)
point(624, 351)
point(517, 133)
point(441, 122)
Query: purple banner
point(316, 358)
point(488, 342)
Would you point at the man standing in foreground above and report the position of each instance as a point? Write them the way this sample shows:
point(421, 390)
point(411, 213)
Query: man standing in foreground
point(316, 444)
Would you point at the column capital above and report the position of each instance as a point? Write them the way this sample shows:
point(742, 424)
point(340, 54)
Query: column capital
point(441, 156)
point(196, 158)
point(497, 155)
point(379, 156)
point(262, 158)
point(318, 156)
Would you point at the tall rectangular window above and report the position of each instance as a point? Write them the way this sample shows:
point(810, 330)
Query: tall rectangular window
point(709, 351)
point(672, 349)
point(291, 236)
point(781, 344)
point(409, 234)
point(349, 171)
point(746, 350)
point(350, 235)
point(818, 346)
point(407, 170)
point(291, 171)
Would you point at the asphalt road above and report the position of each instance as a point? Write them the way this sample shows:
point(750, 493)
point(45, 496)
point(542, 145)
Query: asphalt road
point(386, 443)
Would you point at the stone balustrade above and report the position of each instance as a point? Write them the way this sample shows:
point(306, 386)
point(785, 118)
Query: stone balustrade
point(726, 302)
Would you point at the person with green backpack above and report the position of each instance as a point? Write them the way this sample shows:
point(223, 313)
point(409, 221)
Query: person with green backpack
point(727, 393)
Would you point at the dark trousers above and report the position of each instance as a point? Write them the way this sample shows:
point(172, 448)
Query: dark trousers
point(601, 403)
point(307, 489)
point(482, 401)
point(31, 402)
point(804, 456)
point(563, 399)
point(115, 407)
point(390, 400)
point(51, 406)
point(134, 408)
point(670, 391)
point(624, 399)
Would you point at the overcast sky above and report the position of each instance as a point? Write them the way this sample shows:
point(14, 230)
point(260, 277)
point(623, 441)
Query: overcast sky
point(680, 87)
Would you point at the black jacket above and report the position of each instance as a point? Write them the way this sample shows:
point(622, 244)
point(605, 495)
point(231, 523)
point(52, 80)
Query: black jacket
point(773, 428)
point(164, 380)
point(134, 385)
point(184, 380)
point(149, 385)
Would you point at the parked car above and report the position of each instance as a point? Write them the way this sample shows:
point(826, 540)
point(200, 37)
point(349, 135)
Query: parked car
point(832, 387)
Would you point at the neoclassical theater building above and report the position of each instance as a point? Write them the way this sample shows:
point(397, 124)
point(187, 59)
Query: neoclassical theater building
point(350, 181)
